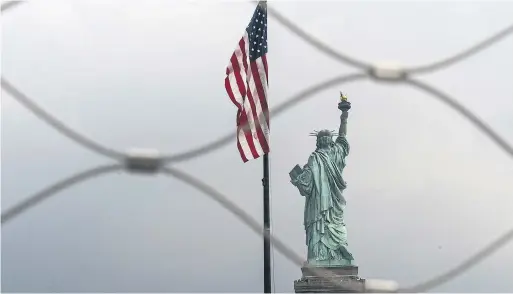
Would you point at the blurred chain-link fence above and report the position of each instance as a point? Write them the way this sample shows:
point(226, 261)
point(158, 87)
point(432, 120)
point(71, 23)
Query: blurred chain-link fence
point(152, 162)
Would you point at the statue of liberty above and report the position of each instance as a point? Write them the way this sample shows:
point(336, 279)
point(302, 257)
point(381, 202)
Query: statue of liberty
point(320, 182)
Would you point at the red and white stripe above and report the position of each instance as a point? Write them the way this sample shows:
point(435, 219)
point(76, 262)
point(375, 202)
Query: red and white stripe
point(246, 84)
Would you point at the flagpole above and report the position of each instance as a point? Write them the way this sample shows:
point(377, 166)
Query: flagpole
point(267, 210)
point(267, 227)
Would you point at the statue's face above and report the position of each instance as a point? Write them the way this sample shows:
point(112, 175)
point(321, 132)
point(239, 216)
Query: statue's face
point(324, 141)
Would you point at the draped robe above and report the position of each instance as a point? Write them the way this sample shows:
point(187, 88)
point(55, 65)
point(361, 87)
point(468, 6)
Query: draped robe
point(322, 184)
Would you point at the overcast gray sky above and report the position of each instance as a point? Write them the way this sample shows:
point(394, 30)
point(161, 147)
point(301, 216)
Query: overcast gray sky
point(425, 189)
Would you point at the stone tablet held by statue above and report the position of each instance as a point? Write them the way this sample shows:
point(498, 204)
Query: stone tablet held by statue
point(295, 172)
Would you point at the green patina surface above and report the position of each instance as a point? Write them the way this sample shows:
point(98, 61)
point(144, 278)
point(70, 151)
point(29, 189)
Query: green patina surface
point(320, 181)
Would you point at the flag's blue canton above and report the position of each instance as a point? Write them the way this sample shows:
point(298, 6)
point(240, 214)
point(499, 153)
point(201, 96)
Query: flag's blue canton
point(257, 34)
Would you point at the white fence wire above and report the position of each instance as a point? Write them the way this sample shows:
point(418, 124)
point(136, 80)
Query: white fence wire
point(151, 162)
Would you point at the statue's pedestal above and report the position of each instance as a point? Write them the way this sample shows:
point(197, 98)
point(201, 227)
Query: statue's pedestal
point(333, 279)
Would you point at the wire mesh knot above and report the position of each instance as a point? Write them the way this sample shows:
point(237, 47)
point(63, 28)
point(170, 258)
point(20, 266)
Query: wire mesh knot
point(388, 71)
point(146, 161)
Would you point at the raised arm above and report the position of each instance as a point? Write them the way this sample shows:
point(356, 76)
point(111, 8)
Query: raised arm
point(344, 106)
point(342, 131)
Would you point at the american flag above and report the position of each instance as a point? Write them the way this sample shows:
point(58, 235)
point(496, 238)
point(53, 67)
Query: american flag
point(246, 83)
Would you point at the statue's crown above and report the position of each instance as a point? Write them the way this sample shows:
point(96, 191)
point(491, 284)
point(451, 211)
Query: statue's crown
point(323, 133)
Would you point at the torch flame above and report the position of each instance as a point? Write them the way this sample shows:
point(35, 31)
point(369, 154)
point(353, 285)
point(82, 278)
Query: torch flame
point(343, 97)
